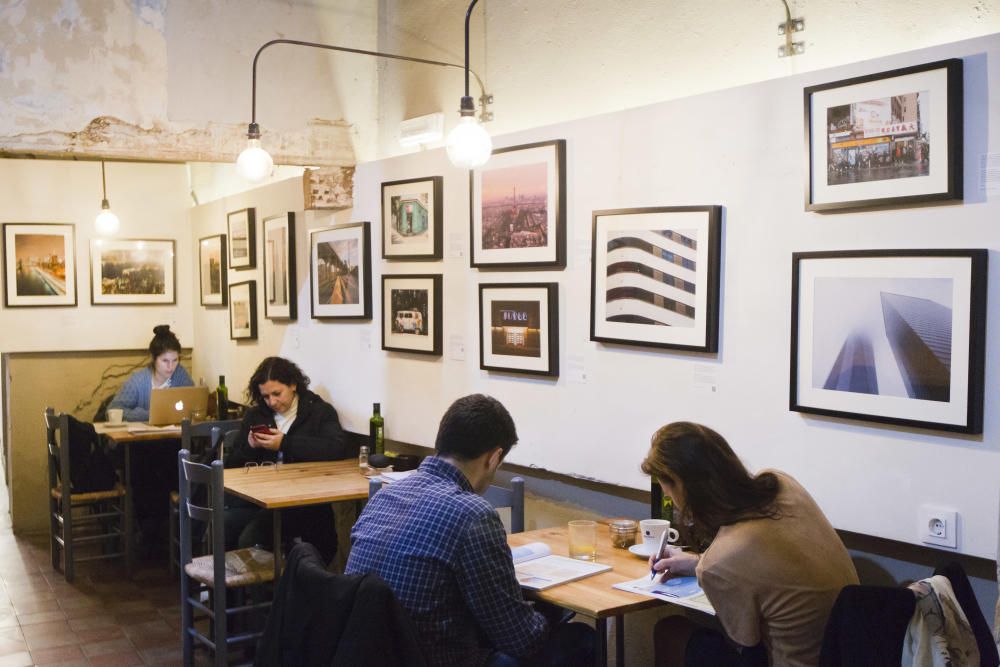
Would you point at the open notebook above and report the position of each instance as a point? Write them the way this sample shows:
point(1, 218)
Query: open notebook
point(536, 568)
point(683, 591)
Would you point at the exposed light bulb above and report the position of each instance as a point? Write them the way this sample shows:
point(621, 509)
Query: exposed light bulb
point(107, 222)
point(254, 163)
point(469, 144)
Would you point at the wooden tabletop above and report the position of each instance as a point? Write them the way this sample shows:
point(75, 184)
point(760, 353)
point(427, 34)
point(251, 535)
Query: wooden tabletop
point(298, 484)
point(121, 434)
point(592, 596)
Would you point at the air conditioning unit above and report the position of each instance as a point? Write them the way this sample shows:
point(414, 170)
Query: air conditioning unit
point(422, 129)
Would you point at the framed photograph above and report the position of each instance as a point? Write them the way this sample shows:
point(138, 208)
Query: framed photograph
point(212, 270)
point(242, 239)
point(654, 277)
point(518, 202)
point(340, 271)
point(519, 328)
point(279, 267)
point(892, 336)
point(39, 265)
point(411, 313)
point(412, 219)
point(887, 139)
point(131, 271)
point(243, 311)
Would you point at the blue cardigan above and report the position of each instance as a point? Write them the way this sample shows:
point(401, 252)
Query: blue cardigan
point(133, 397)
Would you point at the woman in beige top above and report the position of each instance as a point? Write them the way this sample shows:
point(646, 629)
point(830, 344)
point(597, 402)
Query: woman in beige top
point(770, 562)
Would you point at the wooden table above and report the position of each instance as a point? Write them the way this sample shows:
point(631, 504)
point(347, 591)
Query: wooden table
point(296, 485)
point(120, 436)
point(594, 596)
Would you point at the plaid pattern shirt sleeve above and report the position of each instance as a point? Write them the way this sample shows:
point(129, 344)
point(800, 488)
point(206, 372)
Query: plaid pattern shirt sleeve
point(489, 586)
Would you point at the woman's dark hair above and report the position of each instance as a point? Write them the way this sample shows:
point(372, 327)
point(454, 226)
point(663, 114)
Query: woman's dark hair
point(277, 369)
point(164, 340)
point(474, 425)
point(718, 490)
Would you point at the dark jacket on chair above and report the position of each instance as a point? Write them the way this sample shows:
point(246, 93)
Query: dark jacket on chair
point(323, 619)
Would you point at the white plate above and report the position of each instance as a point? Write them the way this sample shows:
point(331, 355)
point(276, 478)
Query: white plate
point(640, 550)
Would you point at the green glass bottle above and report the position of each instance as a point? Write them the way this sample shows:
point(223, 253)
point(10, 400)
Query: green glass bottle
point(222, 398)
point(376, 431)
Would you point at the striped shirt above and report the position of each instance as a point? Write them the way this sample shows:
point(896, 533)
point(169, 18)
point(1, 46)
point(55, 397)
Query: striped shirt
point(442, 549)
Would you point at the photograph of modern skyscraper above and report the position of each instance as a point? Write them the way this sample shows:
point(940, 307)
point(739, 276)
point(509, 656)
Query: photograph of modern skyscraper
point(651, 277)
point(884, 336)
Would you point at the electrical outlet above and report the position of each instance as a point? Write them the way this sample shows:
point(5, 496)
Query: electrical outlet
point(938, 526)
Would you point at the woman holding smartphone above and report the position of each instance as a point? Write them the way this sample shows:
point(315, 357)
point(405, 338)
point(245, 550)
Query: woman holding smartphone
point(290, 424)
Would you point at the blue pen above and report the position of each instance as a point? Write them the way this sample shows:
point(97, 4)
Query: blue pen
point(658, 555)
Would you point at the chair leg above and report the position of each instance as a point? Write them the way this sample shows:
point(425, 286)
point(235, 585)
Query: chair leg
point(68, 546)
point(53, 533)
point(173, 517)
point(187, 621)
point(219, 629)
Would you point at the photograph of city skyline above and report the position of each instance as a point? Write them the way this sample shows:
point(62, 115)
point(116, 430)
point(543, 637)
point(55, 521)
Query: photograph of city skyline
point(41, 264)
point(515, 207)
point(134, 271)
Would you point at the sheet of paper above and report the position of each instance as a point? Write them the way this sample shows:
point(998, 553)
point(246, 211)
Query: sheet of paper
point(683, 591)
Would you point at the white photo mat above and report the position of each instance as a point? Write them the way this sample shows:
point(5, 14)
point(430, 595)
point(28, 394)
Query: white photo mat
point(56, 236)
point(489, 294)
point(142, 255)
point(428, 340)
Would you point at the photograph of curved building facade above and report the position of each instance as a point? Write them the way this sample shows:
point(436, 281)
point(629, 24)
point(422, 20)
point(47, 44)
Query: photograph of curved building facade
point(41, 264)
point(409, 218)
point(878, 139)
point(651, 277)
point(890, 337)
point(515, 207)
point(515, 328)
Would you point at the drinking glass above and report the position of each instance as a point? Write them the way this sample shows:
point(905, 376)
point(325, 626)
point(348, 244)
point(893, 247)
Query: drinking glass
point(583, 540)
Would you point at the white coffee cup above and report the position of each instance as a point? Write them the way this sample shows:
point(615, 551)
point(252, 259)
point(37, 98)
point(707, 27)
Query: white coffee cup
point(652, 531)
point(115, 415)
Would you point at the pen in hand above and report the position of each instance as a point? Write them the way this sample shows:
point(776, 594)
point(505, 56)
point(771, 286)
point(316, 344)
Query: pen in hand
point(657, 556)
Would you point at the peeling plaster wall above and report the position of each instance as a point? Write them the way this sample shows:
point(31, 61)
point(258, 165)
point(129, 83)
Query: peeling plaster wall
point(549, 62)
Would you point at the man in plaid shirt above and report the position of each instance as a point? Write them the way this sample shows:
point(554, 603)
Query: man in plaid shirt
point(442, 549)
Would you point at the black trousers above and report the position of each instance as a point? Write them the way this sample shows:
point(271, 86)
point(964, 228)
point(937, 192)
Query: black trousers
point(248, 525)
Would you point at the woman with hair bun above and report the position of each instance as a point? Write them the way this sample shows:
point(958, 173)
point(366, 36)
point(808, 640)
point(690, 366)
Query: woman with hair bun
point(164, 370)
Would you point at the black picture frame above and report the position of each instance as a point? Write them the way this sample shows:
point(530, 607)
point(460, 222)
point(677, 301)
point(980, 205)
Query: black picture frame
point(280, 288)
point(890, 139)
point(412, 313)
point(243, 310)
point(671, 299)
point(419, 195)
point(329, 272)
point(544, 167)
point(61, 245)
point(241, 226)
point(513, 348)
point(207, 247)
point(124, 287)
point(890, 336)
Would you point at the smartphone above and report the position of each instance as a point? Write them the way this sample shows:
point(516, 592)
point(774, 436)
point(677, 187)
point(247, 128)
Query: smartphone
point(261, 428)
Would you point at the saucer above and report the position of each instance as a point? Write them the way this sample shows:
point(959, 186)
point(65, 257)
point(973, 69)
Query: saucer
point(640, 550)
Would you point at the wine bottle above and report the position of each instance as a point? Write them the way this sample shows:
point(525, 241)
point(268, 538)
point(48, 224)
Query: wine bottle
point(376, 431)
point(222, 398)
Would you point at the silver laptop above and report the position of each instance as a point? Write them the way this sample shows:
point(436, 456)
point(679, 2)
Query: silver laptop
point(171, 405)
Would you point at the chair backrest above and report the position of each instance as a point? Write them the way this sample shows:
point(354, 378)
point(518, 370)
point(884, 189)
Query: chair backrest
point(57, 443)
point(206, 429)
point(192, 476)
point(497, 496)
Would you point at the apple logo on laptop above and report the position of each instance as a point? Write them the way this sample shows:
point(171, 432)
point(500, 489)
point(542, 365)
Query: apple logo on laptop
point(178, 406)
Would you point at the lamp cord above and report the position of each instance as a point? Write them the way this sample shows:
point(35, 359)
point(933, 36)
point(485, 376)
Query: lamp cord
point(104, 182)
point(379, 54)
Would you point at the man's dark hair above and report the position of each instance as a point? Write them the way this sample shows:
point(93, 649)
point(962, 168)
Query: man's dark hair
point(277, 369)
point(474, 425)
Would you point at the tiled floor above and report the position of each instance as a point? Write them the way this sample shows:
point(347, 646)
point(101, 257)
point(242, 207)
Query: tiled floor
point(101, 619)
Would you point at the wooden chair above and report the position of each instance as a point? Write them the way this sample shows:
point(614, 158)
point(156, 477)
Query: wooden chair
point(497, 496)
point(214, 431)
point(238, 571)
point(98, 518)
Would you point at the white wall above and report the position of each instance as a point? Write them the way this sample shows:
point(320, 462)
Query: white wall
point(151, 200)
point(741, 148)
point(549, 62)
